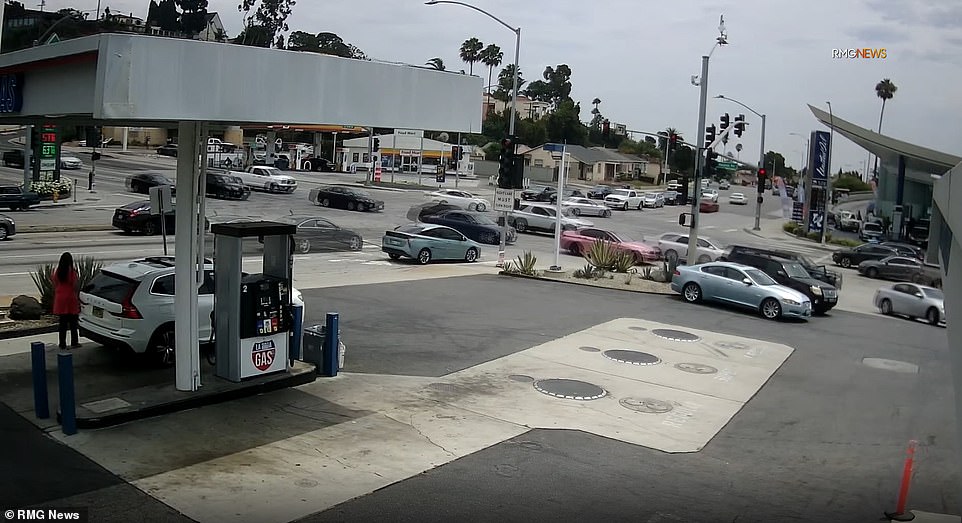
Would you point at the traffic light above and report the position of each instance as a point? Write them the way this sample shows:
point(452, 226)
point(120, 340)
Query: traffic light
point(506, 161)
point(709, 135)
point(711, 163)
point(376, 144)
point(762, 174)
point(739, 125)
point(725, 122)
point(605, 128)
point(672, 140)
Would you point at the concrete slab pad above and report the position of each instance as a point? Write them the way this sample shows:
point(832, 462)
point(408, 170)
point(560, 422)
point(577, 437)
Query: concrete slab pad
point(298, 476)
point(689, 423)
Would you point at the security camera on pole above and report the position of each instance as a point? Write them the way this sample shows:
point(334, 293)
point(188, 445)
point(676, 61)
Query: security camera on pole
point(702, 106)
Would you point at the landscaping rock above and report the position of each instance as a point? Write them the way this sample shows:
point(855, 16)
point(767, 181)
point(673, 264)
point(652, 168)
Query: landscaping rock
point(25, 308)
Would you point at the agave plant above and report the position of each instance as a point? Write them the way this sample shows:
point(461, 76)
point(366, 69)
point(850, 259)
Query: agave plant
point(526, 262)
point(669, 267)
point(624, 262)
point(603, 255)
point(86, 266)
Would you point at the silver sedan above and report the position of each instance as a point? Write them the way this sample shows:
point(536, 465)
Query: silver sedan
point(586, 207)
point(914, 301)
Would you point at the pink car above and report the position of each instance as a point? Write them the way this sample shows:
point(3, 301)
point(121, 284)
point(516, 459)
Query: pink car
point(579, 241)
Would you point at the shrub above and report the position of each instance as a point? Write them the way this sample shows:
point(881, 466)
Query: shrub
point(603, 255)
point(525, 263)
point(86, 266)
point(646, 272)
point(587, 272)
point(790, 227)
point(624, 262)
point(46, 189)
point(670, 266)
point(844, 242)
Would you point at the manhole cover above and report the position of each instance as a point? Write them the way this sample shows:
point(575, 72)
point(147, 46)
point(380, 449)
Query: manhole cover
point(569, 389)
point(521, 377)
point(736, 345)
point(675, 335)
point(638, 328)
point(892, 365)
point(696, 368)
point(590, 349)
point(633, 357)
point(646, 405)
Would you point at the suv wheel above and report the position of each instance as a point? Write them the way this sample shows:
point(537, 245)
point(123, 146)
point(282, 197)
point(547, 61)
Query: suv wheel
point(162, 347)
point(845, 261)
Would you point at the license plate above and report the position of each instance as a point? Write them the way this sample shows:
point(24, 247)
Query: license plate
point(98, 312)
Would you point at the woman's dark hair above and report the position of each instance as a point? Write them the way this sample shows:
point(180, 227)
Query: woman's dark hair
point(64, 267)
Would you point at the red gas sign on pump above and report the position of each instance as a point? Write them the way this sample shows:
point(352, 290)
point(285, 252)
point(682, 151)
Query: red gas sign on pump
point(377, 173)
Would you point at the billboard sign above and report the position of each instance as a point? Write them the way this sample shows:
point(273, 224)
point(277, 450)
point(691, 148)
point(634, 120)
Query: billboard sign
point(819, 158)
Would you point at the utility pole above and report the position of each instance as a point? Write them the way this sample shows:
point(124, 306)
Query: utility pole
point(699, 164)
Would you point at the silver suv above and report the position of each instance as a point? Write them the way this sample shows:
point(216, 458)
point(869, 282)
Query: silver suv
point(130, 305)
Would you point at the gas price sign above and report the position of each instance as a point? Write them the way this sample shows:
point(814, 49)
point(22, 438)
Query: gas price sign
point(46, 150)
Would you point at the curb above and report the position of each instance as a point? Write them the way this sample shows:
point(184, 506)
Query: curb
point(27, 229)
point(25, 333)
point(585, 284)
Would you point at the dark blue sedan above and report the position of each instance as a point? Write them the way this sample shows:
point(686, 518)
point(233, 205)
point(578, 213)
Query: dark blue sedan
point(474, 225)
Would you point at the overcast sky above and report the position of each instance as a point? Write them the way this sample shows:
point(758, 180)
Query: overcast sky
point(638, 57)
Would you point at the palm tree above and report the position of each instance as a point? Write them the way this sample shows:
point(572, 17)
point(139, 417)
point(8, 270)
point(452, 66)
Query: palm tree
point(886, 91)
point(436, 63)
point(596, 102)
point(491, 57)
point(471, 52)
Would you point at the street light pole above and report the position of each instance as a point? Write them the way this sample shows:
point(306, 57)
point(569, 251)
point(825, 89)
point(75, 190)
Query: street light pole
point(761, 159)
point(514, 100)
point(722, 39)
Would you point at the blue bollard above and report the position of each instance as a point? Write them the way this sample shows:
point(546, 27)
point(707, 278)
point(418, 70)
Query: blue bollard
point(329, 364)
point(297, 333)
point(68, 408)
point(38, 360)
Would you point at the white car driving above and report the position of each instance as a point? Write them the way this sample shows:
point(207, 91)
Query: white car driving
point(654, 199)
point(462, 199)
point(266, 178)
point(737, 198)
point(625, 199)
point(70, 162)
point(579, 206)
point(543, 217)
point(130, 305)
point(710, 194)
point(675, 246)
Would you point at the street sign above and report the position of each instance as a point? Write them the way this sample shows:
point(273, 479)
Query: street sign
point(504, 199)
point(409, 132)
point(728, 166)
point(553, 147)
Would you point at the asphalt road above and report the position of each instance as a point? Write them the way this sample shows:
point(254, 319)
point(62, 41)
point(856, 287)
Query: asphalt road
point(822, 441)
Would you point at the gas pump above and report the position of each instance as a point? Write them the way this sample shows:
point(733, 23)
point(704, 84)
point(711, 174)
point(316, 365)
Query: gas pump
point(252, 313)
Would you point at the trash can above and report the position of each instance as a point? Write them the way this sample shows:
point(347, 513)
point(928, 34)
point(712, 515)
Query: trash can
point(313, 347)
point(297, 317)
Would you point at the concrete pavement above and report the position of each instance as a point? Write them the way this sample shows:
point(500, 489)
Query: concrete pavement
point(439, 388)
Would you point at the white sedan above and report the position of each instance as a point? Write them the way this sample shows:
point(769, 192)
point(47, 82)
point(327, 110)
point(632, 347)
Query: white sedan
point(462, 199)
point(709, 194)
point(70, 162)
point(737, 198)
point(587, 207)
point(675, 246)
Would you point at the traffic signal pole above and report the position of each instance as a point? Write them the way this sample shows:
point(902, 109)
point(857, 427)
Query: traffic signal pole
point(699, 164)
point(761, 165)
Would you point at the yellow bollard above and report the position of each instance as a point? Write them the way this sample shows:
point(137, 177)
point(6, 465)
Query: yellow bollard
point(56, 196)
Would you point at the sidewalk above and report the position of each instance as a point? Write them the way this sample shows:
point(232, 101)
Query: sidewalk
point(772, 230)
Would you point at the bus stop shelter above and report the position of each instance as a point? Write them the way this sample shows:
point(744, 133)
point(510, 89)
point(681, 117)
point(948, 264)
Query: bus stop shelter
point(135, 80)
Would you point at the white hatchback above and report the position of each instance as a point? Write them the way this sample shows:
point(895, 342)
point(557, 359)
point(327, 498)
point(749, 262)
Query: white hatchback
point(130, 305)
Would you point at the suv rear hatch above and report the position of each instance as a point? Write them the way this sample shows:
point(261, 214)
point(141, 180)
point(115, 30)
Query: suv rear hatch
point(106, 300)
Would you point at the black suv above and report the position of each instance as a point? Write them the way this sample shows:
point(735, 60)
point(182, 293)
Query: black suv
point(819, 272)
point(790, 274)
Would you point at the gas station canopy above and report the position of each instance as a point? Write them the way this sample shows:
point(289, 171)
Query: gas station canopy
point(121, 79)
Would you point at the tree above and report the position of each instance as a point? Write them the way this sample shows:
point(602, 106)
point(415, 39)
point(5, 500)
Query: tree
point(193, 17)
point(886, 91)
point(270, 16)
point(554, 88)
point(597, 118)
point(161, 14)
point(491, 56)
point(436, 63)
point(506, 83)
point(564, 124)
point(471, 52)
point(323, 43)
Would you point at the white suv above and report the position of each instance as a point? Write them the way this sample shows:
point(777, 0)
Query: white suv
point(130, 305)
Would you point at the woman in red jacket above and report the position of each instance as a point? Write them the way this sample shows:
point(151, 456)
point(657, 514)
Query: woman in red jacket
point(66, 299)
